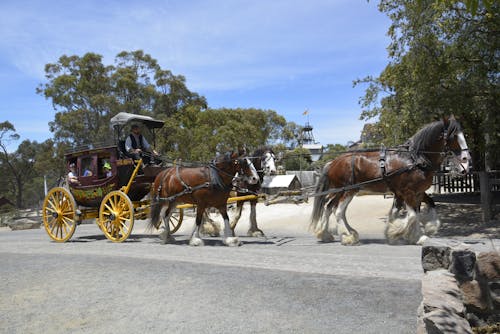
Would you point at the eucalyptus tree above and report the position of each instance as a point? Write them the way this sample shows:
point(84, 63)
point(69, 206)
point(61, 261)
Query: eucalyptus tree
point(86, 93)
point(444, 59)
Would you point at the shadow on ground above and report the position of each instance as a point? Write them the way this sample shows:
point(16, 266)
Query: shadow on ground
point(464, 220)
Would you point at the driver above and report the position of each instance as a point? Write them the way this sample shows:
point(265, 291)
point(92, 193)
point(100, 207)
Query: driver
point(136, 145)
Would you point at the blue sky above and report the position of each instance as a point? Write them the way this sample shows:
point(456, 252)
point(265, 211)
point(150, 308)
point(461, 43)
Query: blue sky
point(282, 55)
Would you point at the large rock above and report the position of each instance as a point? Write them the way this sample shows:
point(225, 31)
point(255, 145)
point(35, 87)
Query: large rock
point(463, 264)
point(442, 310)
point(488, 265)
point(435, 257)
point(474, 297)
point(24, 224)
point(440, 291)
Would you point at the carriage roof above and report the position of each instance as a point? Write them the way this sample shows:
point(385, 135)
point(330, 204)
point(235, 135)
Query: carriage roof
point(122, 118)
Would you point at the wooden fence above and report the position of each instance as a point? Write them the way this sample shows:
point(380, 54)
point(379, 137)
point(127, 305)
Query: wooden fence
point(445, 183)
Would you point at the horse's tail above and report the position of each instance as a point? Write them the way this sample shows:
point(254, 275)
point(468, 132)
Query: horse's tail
point(319, 201)
point(156, 203)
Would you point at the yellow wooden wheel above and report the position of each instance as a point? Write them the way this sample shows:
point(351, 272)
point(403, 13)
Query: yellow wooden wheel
point(116, 216)
point(175, 220)
point(59, 214)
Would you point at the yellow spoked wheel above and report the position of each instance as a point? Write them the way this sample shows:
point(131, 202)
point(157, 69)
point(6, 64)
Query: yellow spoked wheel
point(116, 216)
point(59, 215)
point(175, 220)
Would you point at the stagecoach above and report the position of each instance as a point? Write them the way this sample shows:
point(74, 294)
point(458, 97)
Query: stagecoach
point(114, 199)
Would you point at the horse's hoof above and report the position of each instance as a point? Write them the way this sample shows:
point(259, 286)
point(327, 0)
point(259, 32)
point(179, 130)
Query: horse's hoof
point(167, 239)
point(232, 242)
point(196, 242)
point(350, 240)
point(325, 237)
point(255, 233)
point(422, 240)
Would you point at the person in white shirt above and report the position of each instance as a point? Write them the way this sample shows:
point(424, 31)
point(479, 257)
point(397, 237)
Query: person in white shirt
point(72, 178)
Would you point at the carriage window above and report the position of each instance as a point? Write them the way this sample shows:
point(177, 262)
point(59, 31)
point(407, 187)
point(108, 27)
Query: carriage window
point(105, 169)
point(86, 167)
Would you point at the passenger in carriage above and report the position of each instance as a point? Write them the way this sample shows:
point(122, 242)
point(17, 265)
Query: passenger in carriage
point(106, 170)
point(138, 147)
point(72, 178)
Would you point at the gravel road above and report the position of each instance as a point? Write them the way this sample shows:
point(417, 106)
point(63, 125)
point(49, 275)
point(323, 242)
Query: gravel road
point(285, 283)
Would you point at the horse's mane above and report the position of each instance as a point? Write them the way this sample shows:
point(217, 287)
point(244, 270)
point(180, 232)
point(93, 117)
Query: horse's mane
point(259, 152)
point(427, 136)
point(215, 179)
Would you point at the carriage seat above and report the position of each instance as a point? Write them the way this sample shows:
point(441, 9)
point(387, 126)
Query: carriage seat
point(123, 152)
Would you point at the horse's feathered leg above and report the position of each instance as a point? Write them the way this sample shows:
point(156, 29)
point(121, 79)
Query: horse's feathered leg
point(324, 233)
point(195, 239)
point(430, 219)
point(229, 238)
point(209, 226)
point(237, 214)
point(349, 236)
point(165, 235)
point(406, 229)
point(254, 230)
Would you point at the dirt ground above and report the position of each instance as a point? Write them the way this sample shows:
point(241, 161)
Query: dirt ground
point(367, 214)
point(464, 220)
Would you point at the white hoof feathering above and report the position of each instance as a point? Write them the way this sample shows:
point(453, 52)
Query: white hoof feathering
point(325, 236)
point(232, 241)
point(432, 227)
point(210, 229)
point(196, 242)
point(255, 233)
point(350, 239)
point(422, 240)
point(395, 229)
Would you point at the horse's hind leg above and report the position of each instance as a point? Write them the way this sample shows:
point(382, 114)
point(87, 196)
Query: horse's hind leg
point(325, 234)
point(209, 226)
point(165, 234)
point(254, 230)
point(195, 239)
point(349, 236)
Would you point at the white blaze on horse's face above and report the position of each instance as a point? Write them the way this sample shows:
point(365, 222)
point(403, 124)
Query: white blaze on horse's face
point(253, 178)
point(269, 165)
point(464, 152)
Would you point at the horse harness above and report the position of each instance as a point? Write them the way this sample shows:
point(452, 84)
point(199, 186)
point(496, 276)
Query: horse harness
point(385, 175)
point(187, 188)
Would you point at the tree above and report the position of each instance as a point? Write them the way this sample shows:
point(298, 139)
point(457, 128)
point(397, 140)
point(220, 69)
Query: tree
point(297, 159)
point(196, 135)
point(19, 167)
point(444, 60)
point(86, 93)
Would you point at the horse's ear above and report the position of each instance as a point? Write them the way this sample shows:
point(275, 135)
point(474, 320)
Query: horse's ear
point(452, 118)
point(242, 151)
point(446, 120)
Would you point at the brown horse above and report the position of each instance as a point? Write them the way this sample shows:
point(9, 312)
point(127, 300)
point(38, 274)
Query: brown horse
point(407, 172)
point(264, 161)
point(206, 186)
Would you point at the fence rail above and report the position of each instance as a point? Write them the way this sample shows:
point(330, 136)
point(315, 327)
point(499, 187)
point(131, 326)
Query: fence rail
point(446, 183)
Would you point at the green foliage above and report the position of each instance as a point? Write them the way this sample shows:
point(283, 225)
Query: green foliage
point(330, 152)
point(297, 159)
point(196, 135)
point(444, 60)
point(86, 93)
